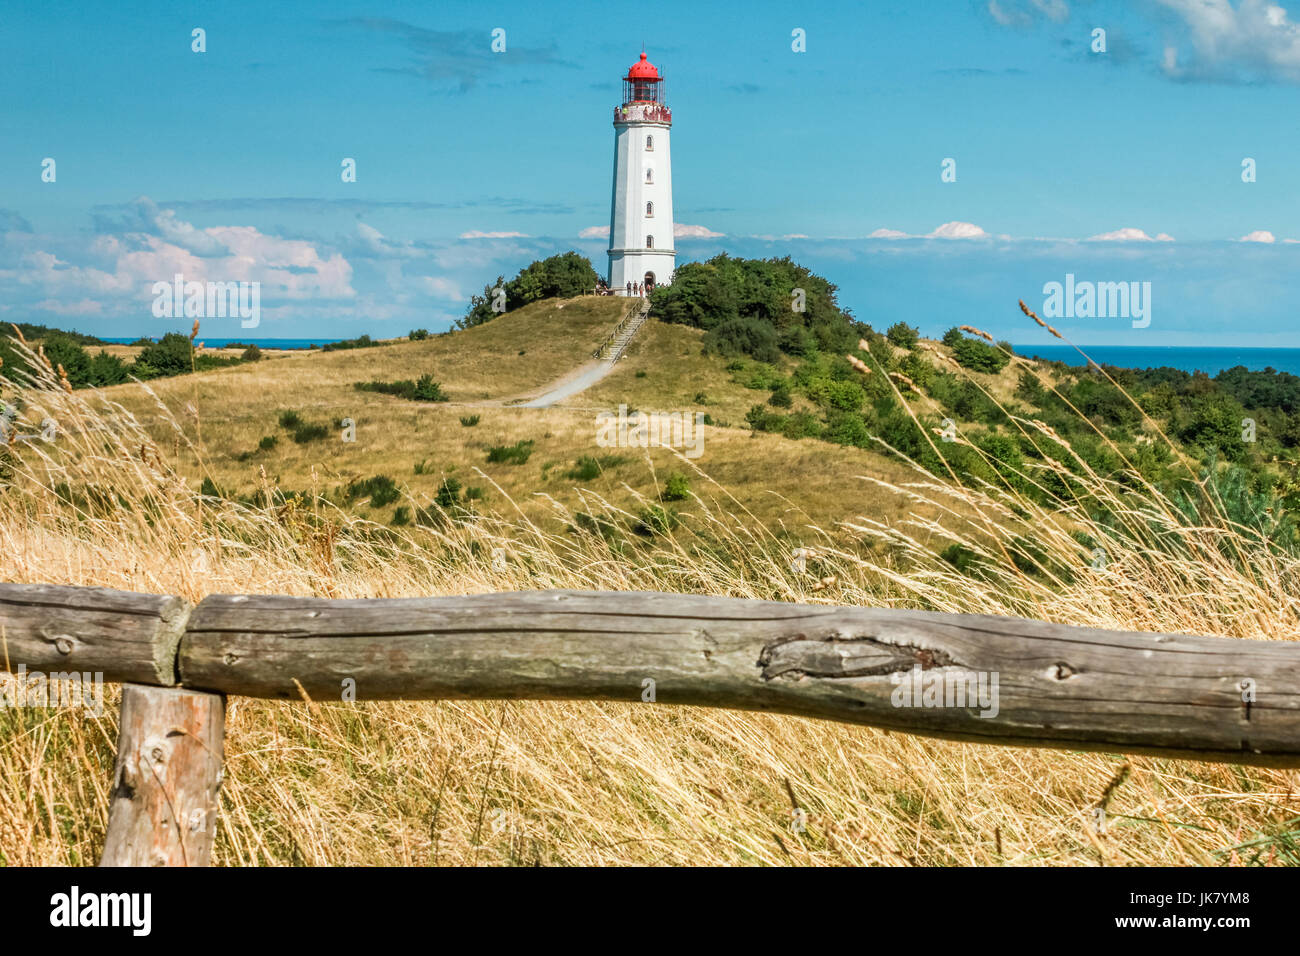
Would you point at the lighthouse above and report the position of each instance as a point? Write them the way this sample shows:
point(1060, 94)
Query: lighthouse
point(641, 210)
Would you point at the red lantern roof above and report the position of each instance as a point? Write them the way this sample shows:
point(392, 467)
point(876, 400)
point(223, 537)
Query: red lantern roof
point(643, 70)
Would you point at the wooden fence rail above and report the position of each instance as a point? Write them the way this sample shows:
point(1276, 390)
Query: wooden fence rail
point(961, 677)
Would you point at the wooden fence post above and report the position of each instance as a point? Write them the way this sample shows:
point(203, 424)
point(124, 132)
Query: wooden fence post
point(163, 806)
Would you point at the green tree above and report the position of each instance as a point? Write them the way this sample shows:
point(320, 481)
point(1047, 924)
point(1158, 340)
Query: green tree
point(560, 276)
point(903, 335)
point(170, 355)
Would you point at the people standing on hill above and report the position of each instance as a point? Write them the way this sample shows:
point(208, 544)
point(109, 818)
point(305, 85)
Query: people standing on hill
point(629, 286)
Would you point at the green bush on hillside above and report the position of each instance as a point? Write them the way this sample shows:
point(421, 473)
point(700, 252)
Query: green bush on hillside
point(903, 335)
point(979, 356)
point(750, 307)
point(561, 276)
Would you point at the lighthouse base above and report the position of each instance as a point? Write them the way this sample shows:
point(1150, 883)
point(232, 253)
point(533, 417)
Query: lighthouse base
point(646, 267)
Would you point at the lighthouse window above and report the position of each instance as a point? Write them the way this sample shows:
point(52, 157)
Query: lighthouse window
point(650, 144)
point(649, 175)
point(649, 242)
point(649, 209)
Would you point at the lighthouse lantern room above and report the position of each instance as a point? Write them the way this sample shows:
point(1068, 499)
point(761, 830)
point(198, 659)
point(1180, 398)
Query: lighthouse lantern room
point(641, 218)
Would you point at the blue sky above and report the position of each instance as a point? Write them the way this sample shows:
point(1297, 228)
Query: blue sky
point(225, 165)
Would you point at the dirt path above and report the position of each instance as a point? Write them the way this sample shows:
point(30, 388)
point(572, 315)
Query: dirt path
point(574, 383)
point(579, 380)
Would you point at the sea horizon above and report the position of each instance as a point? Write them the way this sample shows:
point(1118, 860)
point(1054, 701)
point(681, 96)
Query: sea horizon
point(218, 343)
point(1191, 358)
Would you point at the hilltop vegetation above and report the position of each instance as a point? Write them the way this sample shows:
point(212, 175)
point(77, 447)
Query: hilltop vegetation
point(559, 277)
point(971, 410)
point(762, 308)
point(964, 408)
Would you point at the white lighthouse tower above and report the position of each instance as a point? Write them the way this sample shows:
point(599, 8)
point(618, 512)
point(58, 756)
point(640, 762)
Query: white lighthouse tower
point(641, 217)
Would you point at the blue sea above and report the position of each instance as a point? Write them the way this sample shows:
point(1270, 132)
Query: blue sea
point(222, 343)
point(1211, 361)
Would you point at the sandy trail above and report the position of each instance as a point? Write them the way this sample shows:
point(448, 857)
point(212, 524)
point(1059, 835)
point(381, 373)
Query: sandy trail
point(580, 380)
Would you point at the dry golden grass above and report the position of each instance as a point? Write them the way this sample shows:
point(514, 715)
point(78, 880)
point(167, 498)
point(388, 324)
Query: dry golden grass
point(222, 415)
point(493, 783)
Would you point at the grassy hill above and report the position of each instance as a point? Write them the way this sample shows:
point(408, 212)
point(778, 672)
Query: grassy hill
point(226, 413)
point(114, 501)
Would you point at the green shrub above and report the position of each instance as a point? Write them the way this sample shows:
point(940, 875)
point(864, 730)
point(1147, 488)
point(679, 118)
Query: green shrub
point(448, 496)
point(401, 515)
point(960, 557)
point(744, 335)
point(309, 432)
point(655, 520)
point(762, 419)
point(903, 335)
point(597, 525)
point(381, 490)
point(979, 356)
point(106, 370)
point(173, 354)
point(418, 335)
point(516, 454)
point(361, 342)
point(585, 468)
point(425, 390)
point(750, 307)
point(781, 396)
point(676, 488)
point(847, 428)
point(917, 369)
point(251, 354)
point(268, 442)
point(559, 276)
point(290, 419)
point(469, 421)
point(801, 424)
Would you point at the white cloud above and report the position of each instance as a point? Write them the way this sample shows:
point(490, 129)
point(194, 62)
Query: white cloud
point(949, 230)
point(594, 232)
point(441, 288)
point(1255, 38)
point(1015, 13)
point(375, 244)
point(476, 234)
point(77, 309)
point(1057, 10)
point(114, 273)
point(683, 231)
point(958, 230)
point(1131, 234)
point(1259, 235)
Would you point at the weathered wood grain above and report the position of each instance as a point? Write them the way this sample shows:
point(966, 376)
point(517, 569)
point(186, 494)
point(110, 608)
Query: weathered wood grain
point(125, 636)
point(163, 805)
point(1058, 686)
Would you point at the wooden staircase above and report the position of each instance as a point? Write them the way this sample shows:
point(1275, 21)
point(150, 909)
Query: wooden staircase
point(612, 349)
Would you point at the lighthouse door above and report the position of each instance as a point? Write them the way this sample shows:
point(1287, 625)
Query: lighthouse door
point(649, 282)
